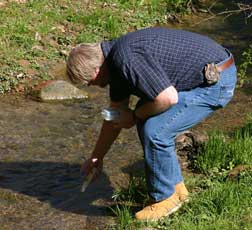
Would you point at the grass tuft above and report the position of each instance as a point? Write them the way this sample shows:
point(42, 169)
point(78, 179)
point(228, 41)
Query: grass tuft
point(223, 152)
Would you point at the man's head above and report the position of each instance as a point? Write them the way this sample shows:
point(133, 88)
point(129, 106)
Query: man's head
point(84, 65)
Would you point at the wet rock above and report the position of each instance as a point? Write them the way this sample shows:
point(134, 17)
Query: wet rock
point(57, 90)
point(187, 144)
point(190, 140)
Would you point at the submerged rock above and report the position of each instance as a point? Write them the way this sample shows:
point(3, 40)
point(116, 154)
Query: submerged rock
point(57, 90)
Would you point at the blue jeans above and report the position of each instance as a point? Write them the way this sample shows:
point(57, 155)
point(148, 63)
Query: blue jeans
point(157, 133)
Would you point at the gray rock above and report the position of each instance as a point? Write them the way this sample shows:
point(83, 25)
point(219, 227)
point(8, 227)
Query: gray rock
point(57, 90)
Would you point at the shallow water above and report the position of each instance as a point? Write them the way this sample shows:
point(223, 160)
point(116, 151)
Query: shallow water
point(43, 144)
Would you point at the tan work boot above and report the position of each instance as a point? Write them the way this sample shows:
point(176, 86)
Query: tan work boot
point(182, 192)
point(160, 209)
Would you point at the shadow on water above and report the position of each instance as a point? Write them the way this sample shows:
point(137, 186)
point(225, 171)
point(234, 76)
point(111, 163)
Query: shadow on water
point(58, 184)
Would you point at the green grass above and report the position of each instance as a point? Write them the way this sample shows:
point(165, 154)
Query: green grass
point(245, 66)
point(39, 29)
point(215, 204)
point(217, 200)
point(223, 152)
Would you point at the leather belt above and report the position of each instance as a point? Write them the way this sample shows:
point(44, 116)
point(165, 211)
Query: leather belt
point(225, 65)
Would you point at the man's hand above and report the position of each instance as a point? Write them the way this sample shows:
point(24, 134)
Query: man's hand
point(126, 119)
point(91, 163)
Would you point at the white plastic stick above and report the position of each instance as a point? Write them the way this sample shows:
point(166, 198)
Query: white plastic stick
point(87, 180)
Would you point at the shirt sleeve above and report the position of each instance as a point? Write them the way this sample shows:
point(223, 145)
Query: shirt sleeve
point(135, 70)
point(146, 74)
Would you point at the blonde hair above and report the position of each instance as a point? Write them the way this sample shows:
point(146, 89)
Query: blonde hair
point(82, 62)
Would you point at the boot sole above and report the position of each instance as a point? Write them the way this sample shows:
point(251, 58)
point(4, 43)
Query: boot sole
point(176, 208)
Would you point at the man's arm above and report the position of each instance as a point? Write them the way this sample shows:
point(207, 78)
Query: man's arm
point(107, 136)
point(108, 132)
point(162, 102)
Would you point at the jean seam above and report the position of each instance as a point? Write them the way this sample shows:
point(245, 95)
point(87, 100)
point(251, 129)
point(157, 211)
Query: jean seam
point(156, 182)
point(154, 172)
point(179, 112)
point(167, 123)
point(157, 137)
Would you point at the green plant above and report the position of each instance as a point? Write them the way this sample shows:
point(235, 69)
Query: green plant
point(179, 6)
point(222, 152)
point(124, 216)
point(9, 77)
point(215, 204)
point(244, 66)
point(135, 192)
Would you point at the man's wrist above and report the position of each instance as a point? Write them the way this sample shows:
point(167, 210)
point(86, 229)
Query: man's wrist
point(135, 116)
point(99, 157)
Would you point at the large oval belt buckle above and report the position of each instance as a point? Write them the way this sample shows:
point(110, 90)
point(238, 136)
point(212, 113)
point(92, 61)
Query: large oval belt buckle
point(212, 74)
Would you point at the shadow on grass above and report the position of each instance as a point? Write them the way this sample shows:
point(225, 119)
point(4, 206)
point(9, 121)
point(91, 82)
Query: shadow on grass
point(58, 184)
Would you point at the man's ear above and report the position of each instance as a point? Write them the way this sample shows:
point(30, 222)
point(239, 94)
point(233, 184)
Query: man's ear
point(97, 71)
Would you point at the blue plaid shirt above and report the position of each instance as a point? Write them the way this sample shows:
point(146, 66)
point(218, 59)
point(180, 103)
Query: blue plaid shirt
point(146, 62)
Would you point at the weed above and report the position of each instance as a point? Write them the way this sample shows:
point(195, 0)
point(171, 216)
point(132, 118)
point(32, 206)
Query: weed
point(178, 6)
point(222, 152)
point(216, 205)
point(244, 66)
point(124, 216)
point(136, 191)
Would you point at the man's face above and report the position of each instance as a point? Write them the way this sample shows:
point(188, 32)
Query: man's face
point(100, 77)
